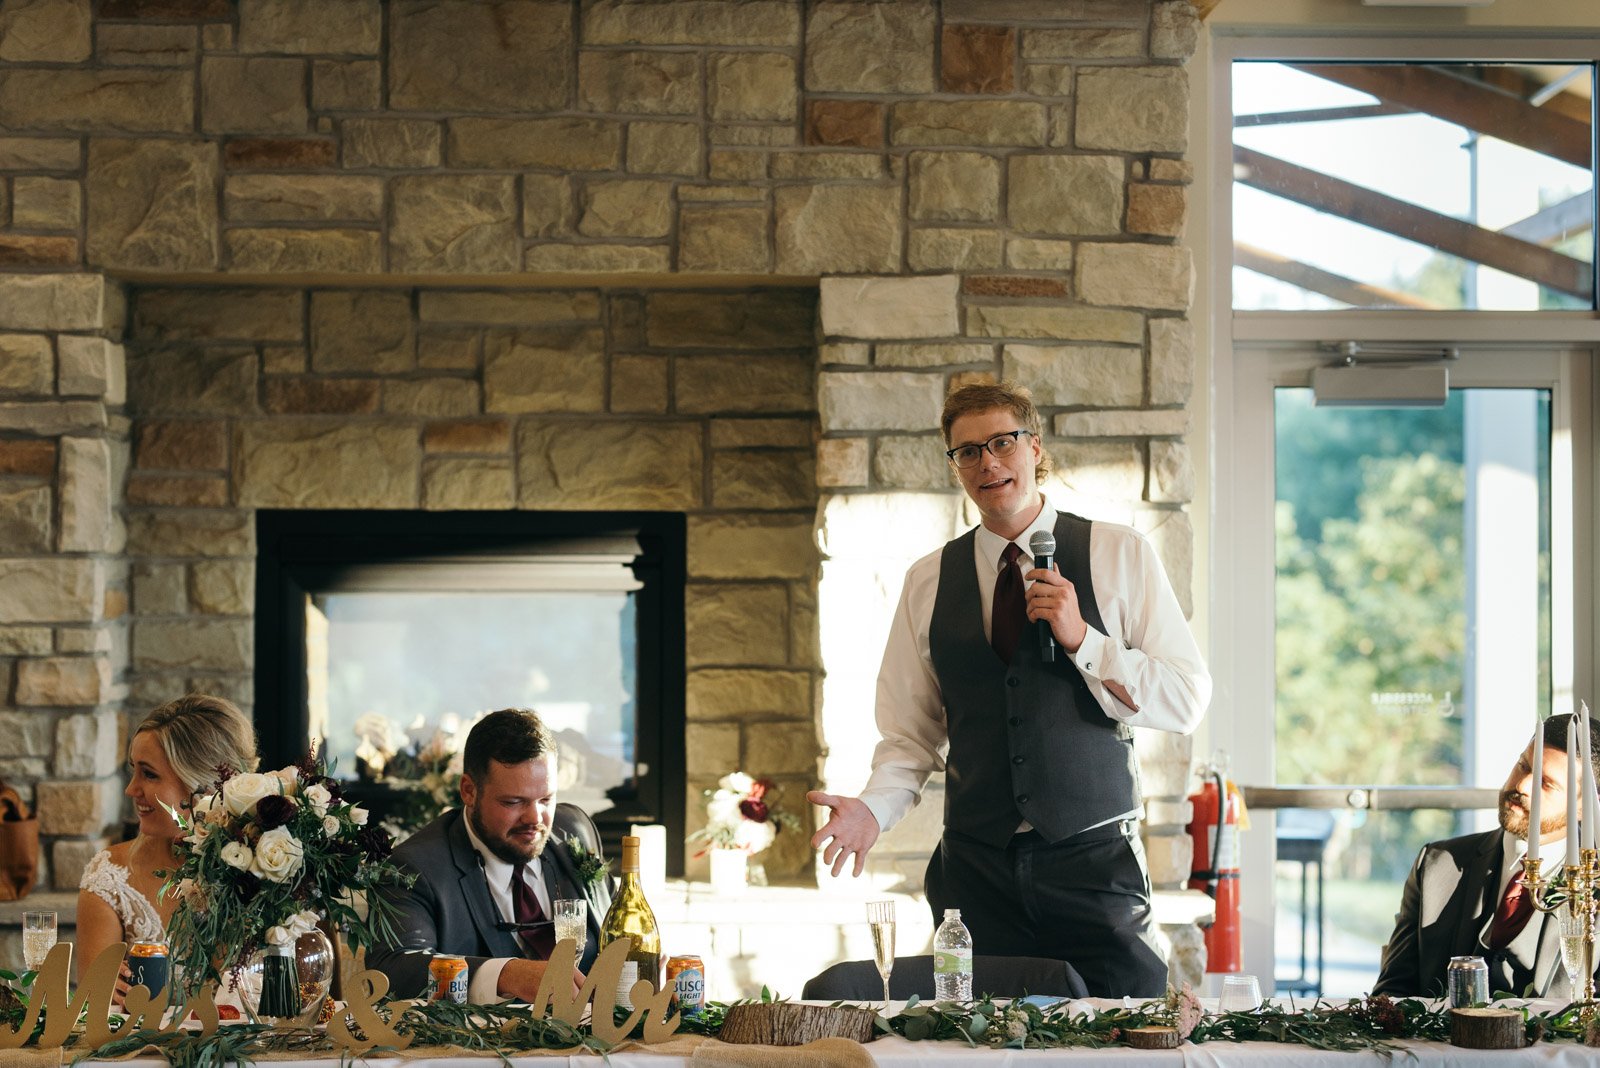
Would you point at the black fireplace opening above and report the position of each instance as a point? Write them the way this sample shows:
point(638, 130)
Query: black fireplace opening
point(383, 635)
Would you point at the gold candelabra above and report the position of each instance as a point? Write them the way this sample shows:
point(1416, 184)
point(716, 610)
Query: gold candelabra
point(1583, 883)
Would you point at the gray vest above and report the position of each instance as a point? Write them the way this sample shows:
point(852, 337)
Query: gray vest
point(1027, 740)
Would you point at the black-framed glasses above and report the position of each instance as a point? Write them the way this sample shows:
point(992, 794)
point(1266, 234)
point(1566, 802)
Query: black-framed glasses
point(1000, 446)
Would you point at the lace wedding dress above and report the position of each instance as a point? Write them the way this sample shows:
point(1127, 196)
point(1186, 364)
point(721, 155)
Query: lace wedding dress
point(108, 880)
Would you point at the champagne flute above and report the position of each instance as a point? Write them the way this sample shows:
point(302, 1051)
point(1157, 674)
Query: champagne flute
point(880, 914)
point(572, 921)
point(38, 936)
point(1574, 948)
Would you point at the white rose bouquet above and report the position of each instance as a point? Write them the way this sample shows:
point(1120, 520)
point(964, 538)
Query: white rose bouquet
point(742, 814)
point(266, 857)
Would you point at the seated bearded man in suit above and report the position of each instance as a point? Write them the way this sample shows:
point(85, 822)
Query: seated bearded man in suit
point(1464, 896)
point(501, 859)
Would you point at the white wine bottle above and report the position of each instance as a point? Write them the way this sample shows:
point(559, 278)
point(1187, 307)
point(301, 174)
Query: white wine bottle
point(630, 917)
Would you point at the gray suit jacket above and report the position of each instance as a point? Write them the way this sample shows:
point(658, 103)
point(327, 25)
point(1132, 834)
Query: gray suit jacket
point(449, 910)
point(1448, 898)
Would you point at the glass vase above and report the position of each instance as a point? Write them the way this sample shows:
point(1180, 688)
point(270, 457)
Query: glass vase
point(288, 984)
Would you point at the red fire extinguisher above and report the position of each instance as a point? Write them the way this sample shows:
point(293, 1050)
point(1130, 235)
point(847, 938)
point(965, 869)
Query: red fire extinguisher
point(1218, 818)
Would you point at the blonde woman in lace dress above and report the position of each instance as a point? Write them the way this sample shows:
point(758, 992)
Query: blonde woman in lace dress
point(174, 755)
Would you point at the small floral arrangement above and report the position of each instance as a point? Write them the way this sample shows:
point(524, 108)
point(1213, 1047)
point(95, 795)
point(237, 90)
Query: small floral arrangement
point(741, 814)
point(266, 857)
point(427, 773)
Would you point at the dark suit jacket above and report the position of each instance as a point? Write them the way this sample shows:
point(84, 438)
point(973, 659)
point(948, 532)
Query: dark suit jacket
point(449, 910)
point(1449, 896)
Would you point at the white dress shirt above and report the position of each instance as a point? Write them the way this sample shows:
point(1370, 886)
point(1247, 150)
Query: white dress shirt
point(1149, 652)
point(483, 985)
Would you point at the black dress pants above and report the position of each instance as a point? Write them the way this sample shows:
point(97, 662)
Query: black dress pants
point(1084, 900)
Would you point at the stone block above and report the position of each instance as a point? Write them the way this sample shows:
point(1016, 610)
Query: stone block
point(44, 31)
point(751, 547)
point(636, 465)
point(569, 144)
point(346, 85)
point(471, 435)
point(966, 249)
point(24, 641)
point(851, 353)
point(597, 259)
point(159, 590)
point(1172, 534)
point(25, 519)
point(511, 308)
point(1038, 254)
point(1103, 469)
point(548, 206)
point(662, 148)
point(842, 462)
point(744, 384)
point(204, 645)
point(765, 319)
point(28, 457)
point(307, 463)
point(1169, 857)
point(954, 186)
point(555, 369)
point(74, 808)
point(27, 734)
point(639, 384)
point(210, 533)
point(785, 165)
point(1070, 375)
point(52, 418)
point(710, 749)
point(1171, 361)
point(1014, 285)
point(218, 314)
point(1045, 321)
point(890, 307)
point(432, 397)
point(194, 381)
point(1168, 813)
point(692, 22)
point(151, 204)
point(759, 86)
point(115, 100)
point(87, 745)
point(324, 396)
point(845, 123)
point(85, 495)
point(1171, 170)
point(639, 83)
point(1110, 42)
point(59, 681)
point(27, 365)
point(39, 203)
point(1157, 209)
point(1047, 79)
point(222, 587)
point(929, 354)
point(1133, 109)
point(1174, 30)
point(1123, 424)
point(181, 444)
point(352, 27)
point(394, 144)
point(447, 351)
point(782, 748)
point(715, 694)
point(37, 250)
point(879, 400)
point(39, 154)
point(1066, 194)
point(453, 223)
point(737, 166)
point(56, 301)
point(977, 59)
point(1140, 275)
point(736, 625)
point(480, 57)
point(631, 207)
point(763, 480)
point(217, 37)
point(1013, 124)
point(912, 463)
point(460, 484)
point(1171, 472)
point(368, 331)
point(870, 47)
point(723, 240)
point(279, 153)
point(743, 433)
point(91, 367)
point(256, 95)
point(832, 229)
point(68, 858)
point(186, 491)
point(303, 198)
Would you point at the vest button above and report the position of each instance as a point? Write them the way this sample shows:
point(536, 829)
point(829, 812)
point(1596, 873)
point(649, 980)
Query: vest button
point(1017, 759)
point(1022, 799)
point(1016, 720)
point(1013, 681)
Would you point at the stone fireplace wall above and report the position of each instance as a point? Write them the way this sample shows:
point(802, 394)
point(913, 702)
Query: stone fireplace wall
point(984, 188)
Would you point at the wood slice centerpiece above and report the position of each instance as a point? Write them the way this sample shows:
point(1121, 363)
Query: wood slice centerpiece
point(780, 1023)
point(1487, 1028)
point(1153, 1037)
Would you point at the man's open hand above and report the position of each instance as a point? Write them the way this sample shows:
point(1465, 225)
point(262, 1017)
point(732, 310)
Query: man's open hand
point(851, 828)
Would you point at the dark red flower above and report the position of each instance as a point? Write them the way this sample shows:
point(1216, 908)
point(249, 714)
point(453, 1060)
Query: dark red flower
point(248, 886)
point(377, 844)
point(274, 810)
point(753, 810)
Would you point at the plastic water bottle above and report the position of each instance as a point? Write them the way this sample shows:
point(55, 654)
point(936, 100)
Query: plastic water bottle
point(952, 959)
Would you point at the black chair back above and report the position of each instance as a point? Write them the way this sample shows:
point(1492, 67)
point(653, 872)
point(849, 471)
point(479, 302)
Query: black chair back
point(1006, 977)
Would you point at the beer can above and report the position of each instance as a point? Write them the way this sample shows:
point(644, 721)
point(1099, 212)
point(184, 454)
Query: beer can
point(1469, 982)
point(149, 965)
point(449, 973)
point(687, 974)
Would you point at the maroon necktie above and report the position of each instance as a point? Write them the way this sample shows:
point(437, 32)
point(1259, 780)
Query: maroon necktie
point(541, 941)
point(1010, 612)
point(1516, 907)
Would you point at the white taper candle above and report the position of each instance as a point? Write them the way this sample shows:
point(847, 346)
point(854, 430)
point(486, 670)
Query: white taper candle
point(1573, 785)
point(1588, 794)
point(1536, 787)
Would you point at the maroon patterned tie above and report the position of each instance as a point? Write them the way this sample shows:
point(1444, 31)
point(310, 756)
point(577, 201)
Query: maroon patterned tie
point(1010, 612)
point(541, 941)
point(1516, 908)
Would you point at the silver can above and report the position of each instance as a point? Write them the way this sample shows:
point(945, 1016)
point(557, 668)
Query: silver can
point(1469, 982)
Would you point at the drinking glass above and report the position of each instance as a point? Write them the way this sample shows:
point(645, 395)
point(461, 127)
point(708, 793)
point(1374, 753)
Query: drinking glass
point(38, 935)
point(1240, 993)
point(880, 914)
point(1574, 950)
point(572, 920)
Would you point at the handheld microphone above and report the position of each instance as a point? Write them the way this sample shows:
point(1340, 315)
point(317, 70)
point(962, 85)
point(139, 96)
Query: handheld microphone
point(1043, 547)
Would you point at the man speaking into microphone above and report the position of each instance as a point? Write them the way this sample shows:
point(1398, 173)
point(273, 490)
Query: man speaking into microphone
point(1023, 683)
